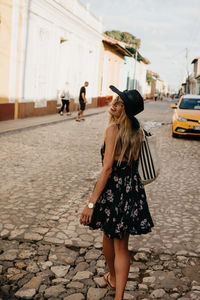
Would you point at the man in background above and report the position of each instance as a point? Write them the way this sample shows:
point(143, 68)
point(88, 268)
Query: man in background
point(82, 102)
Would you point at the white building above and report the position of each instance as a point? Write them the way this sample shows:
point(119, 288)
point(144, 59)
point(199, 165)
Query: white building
point(133, 75)
point(196, 62)
point(60, 42)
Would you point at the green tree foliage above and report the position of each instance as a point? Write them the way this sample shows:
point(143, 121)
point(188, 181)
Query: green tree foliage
point(149, 78)
point(125, 37)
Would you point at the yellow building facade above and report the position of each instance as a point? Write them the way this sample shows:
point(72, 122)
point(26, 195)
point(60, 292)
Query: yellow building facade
point(10, 46)
point(110, 65)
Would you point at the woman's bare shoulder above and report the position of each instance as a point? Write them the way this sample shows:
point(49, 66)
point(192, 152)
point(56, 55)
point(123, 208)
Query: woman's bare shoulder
point(112, 127)
point(111, 130)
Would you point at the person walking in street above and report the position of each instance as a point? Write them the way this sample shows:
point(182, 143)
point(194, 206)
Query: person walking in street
point(65, 97)
point(118, 204)
point(155, 96)
point(82, 102)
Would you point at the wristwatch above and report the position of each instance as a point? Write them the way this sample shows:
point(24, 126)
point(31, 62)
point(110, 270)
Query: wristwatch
point(90, 205)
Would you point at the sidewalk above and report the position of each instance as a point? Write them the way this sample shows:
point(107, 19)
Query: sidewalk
point(12, 126)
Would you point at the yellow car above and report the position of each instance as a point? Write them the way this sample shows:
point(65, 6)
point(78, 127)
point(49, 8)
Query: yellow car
point(186, 117)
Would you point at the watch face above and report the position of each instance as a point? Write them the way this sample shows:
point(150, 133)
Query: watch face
point(90, 205)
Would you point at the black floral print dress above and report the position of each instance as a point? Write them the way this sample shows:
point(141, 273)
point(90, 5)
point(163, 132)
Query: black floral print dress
point(122, 207)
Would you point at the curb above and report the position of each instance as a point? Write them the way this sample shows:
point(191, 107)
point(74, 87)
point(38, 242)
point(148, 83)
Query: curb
point(12, 131)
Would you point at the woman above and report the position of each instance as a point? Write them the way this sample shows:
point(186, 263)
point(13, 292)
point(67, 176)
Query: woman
point(65, 98)
point(118, 203)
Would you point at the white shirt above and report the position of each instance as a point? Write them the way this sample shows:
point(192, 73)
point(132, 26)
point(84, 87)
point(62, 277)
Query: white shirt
point(65, 95)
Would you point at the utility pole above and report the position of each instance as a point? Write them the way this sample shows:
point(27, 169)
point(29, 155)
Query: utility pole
point(187, 68)
point(136, 55)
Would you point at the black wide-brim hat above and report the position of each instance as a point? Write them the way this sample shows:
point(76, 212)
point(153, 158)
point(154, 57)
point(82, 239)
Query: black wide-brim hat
point(133, 103)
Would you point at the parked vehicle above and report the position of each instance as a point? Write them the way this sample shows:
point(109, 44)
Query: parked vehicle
point(175, 97)
point(186, 117)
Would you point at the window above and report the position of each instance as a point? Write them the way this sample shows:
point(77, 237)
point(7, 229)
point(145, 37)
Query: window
point(190, 104)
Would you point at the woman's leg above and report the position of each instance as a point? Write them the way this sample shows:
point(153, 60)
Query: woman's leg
point(122, 265)
point(67, 106)
point(108, 250)
point(62, 108)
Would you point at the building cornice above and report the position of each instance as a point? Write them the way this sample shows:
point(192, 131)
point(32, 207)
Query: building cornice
point(195, 60)
point(118, 48)
point(49, 10)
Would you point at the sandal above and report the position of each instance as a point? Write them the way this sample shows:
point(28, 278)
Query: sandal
point(107, 280)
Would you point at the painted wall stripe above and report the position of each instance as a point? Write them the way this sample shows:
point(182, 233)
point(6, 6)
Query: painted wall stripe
point(13, 51)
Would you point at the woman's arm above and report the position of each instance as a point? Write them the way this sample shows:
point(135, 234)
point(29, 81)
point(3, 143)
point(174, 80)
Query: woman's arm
point(110, 138)
point(111, 133)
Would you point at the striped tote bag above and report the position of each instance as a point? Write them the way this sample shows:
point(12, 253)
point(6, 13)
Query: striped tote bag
point(148, 166)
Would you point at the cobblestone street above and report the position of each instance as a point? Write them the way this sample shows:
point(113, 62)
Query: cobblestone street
point(47, 174)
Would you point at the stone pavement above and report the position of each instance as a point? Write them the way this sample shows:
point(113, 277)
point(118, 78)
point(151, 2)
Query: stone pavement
point(47, 271)
point(47, 175)
point(30, 123)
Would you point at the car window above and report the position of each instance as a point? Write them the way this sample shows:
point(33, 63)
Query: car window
point(190, 104)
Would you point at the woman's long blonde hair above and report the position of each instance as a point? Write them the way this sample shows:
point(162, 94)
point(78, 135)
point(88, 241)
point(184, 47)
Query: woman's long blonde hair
point(128, 140)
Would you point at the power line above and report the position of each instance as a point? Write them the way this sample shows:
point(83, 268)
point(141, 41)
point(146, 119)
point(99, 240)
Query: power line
point(191, 32)
point(195, 32)
point(170, 57)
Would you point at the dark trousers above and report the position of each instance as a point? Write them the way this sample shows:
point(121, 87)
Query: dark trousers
point(65, 102)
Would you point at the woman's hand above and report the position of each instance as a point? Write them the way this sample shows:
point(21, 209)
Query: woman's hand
point(86, 215)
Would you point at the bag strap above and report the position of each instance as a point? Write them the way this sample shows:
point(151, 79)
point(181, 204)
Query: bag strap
point(146, 133)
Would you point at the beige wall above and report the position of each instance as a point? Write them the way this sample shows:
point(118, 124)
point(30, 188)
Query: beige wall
point(109, 69)
point(195, 68)
point(18, 57)
point(5, 44)
point(192, 86)
point(6, 30)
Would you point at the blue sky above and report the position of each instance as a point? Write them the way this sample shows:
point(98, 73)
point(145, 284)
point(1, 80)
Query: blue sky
point(166, 28)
